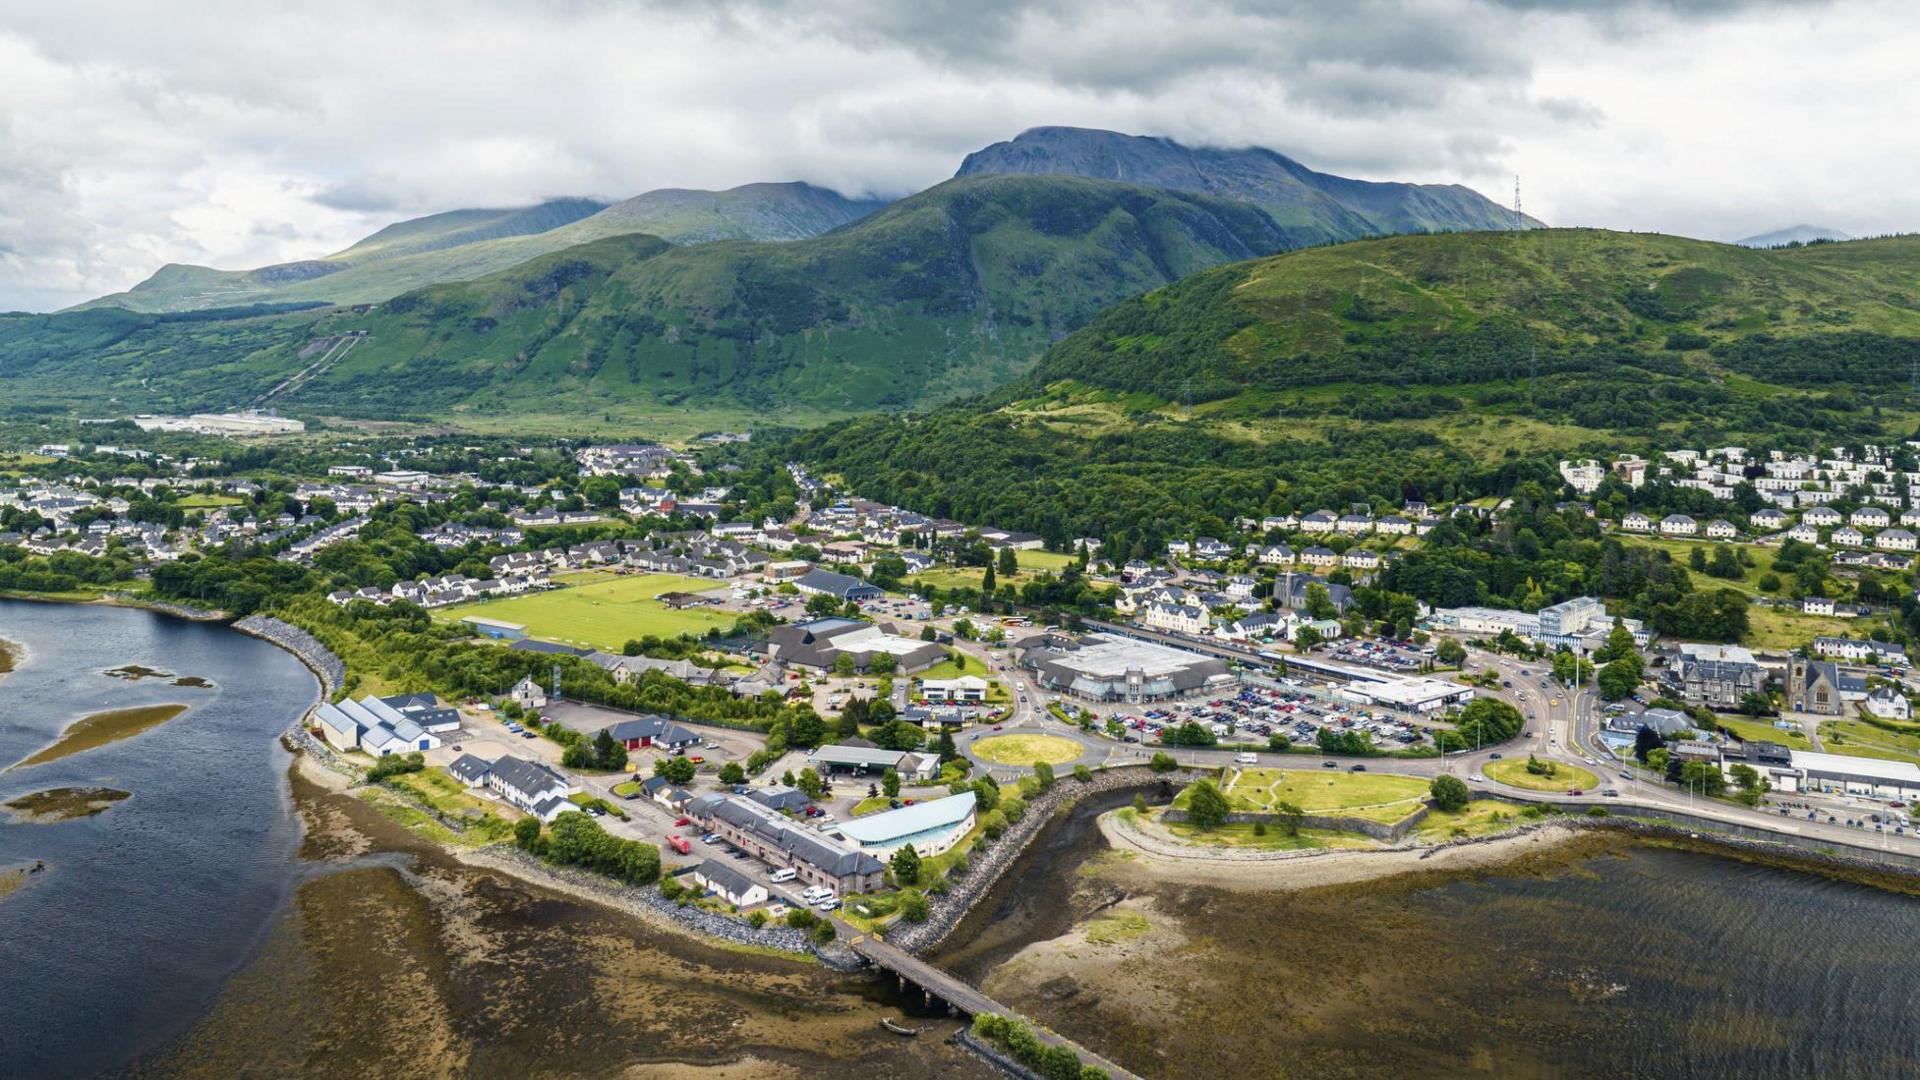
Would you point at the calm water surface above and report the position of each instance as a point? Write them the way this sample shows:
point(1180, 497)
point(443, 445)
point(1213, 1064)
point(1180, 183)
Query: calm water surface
point(1619, 960)
point(144, 910)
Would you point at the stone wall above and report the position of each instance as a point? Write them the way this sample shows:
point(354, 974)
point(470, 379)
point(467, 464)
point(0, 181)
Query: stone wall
point(988, 864)
point(648, 901)
point(328, 667)
point(1391, 834)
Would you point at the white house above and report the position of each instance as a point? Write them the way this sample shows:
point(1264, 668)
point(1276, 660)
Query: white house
point(1821, 517)
point(1816, 605)
point(1848, 536)
point(1360, 559)
point(1319, 556)
point(1888, 703)
point(1177, 618)
point(1320, 521)
point(527, 694)
point(1635, 521)
point(1804, 533)
point(1721, 529)
point(729, 884)
point(531, 786)
point(1870, 517)
point(1678, 525)
point(1895, 540)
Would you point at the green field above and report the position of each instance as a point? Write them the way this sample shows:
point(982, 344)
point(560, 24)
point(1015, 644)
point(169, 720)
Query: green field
point(1513, 773)
point(1242, 836)
point(1027, 749)
point(202, 501)
point(1374, 796)
point(605, 614)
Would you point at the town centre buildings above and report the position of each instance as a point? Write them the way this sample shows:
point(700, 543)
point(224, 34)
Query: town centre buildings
point(1099, 667)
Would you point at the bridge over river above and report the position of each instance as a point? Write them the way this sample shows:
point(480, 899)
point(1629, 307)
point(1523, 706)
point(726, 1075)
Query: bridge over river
point(960, 996)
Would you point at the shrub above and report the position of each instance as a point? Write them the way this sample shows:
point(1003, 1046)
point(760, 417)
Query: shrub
point(1163, 762)
point(801, 919)
point(757, 919)
point(1449, 793)
point(395, 765)
point(1083, 774)
point(914, 906)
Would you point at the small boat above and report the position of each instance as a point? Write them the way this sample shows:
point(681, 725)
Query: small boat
point(901, 1029)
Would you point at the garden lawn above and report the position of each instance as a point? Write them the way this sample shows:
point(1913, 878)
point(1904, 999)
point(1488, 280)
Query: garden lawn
point(1513, 773)
point(1027, 749)
point(947, 669)
point(604, 614)
point(1373, 796)
point(1757, 730)
point(870, 806)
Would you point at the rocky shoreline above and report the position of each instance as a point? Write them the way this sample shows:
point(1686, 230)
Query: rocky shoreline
point(319, 659)
point(648, 904)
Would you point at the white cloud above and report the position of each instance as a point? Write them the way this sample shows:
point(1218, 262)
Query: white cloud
point(238, 134)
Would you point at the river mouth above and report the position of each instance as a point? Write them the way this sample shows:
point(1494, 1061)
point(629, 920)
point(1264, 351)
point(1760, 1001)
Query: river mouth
point(1598, 955)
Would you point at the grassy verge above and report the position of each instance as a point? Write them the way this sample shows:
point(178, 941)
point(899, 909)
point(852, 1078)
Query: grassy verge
point(1513, 773)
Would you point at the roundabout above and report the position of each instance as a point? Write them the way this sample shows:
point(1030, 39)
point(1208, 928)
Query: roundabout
point(1024, 749)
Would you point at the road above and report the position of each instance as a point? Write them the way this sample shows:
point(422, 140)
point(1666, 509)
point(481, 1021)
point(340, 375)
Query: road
point(1563, 726)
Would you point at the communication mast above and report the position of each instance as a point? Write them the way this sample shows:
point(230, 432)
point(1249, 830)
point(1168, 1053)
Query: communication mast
point(1519, 219)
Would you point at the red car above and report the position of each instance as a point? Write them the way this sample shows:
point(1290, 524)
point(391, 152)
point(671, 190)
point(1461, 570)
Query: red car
point(996, 727)
point(683, 823)
point(1575, 791)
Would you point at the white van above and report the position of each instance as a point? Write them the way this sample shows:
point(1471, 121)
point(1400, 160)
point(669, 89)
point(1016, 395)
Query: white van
point(787, 874)
point(1246, 759)
point(816, 893)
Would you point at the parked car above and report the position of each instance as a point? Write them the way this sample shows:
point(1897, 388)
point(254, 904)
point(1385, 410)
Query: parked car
point(682, 822)
point(1356, 767)
point(1329, 765)
point(784, 875)
point(1246, 759)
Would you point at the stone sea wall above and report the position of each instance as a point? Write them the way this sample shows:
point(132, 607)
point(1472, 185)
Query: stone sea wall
point(328, 667)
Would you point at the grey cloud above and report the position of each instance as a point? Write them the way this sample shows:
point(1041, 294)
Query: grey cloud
point(360, 194)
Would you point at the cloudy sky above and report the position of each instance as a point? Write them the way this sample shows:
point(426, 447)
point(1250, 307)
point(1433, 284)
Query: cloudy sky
point(230, 134)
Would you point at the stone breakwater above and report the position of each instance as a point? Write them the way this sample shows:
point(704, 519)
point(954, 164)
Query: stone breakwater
point(649, 904)
point(986, 866)
point(320, 659)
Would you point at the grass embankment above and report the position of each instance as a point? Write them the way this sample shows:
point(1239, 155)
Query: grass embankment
point(1373, 796)
point(602, 614)
point(98, 730)
point(1881, 739)
point(1028, 749)
point(870, 806)
point(481, 820)
point(1273, 839)
point(1513, 773)
point(1482, 817)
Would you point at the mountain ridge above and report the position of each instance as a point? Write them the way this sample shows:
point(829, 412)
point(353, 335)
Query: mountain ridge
point(1333, 208)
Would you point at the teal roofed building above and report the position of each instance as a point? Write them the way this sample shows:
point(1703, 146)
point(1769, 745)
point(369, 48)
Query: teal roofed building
point(931, 827)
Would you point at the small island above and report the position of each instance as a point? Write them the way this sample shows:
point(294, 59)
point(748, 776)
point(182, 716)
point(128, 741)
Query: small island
point(98, 730)
point(64, 804)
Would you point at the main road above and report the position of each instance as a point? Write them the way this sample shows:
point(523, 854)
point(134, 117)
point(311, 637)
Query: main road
point(1562, 725)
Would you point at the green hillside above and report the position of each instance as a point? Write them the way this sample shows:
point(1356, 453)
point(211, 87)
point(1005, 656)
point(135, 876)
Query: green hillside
point(465, 244)
point(954, 290)
point(1431, 310)
point(1431, 367)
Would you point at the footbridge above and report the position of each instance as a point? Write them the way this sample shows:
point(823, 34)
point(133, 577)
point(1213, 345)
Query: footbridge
point(960, 996)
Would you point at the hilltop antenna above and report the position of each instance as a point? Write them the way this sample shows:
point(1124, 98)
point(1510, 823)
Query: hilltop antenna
point(1518, 218)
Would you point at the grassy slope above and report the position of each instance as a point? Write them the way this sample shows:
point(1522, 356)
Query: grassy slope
point(1349, 312)
point(465, 244)
point(956, 289)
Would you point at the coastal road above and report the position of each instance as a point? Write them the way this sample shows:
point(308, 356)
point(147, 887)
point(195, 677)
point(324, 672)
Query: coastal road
point(1563, 725)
